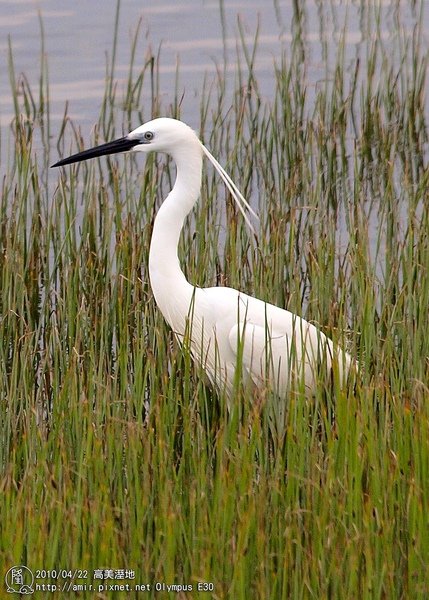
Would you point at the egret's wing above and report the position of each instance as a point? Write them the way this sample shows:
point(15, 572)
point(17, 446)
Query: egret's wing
point(272, 346)
point(279, 357)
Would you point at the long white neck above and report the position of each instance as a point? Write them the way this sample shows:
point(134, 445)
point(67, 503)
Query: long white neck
point(171, 289)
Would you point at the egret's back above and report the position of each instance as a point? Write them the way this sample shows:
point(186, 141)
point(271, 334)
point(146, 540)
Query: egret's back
point(273, 347)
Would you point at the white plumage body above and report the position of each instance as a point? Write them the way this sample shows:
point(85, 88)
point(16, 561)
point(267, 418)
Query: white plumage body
point(277, 349)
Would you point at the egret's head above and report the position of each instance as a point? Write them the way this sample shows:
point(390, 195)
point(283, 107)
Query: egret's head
point(159, 135)
point(170, 136)
point(162, 135)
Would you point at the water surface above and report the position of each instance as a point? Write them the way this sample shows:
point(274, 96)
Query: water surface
point(192, 37)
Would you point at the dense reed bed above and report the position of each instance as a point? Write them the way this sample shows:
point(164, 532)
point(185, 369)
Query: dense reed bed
point(114, 453)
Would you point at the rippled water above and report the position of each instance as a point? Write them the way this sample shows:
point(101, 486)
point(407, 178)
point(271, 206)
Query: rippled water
point(192, 35)
point(78, 37)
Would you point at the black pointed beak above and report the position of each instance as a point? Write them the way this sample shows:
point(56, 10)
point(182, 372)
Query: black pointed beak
point(120, 145)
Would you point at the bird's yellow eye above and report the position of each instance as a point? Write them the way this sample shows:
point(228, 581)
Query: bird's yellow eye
point(148, 136)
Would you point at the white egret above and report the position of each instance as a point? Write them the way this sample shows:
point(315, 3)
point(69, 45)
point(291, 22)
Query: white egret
point(223, 328)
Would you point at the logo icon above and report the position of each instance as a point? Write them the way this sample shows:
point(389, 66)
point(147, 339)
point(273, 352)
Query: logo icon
point(19, 580)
